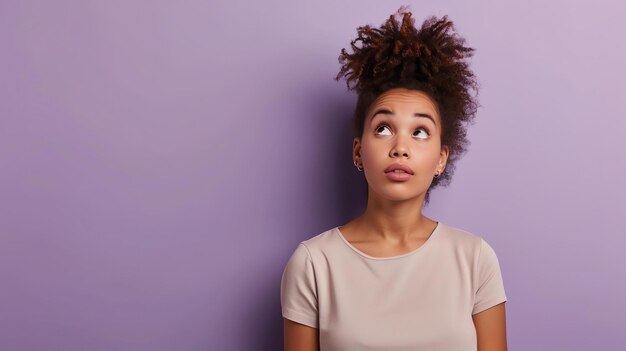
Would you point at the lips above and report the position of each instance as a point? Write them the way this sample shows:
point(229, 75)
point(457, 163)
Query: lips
point(399, 166)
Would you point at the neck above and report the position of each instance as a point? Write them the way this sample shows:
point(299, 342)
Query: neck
point(395, 221)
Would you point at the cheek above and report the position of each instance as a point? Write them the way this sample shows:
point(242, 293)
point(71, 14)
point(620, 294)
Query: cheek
point(369, 151)
point(431, 160)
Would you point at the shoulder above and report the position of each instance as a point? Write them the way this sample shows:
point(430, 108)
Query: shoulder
point(463, 241)
point(320, 242)
point(460, 238)
point(316, 244)
point(472, 244)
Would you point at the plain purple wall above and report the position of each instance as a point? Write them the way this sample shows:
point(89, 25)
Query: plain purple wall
point(161, 160)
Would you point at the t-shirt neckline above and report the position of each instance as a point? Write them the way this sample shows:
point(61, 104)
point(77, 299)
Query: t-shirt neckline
point(410, 253)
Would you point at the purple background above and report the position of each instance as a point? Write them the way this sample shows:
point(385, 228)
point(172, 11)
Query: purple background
point(161, 160)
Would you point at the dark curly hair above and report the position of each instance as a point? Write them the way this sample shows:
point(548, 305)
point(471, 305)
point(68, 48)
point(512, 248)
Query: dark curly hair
point(430, 59)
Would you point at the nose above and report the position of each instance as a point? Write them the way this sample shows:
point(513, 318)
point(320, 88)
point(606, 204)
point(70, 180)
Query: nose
point(399, 149)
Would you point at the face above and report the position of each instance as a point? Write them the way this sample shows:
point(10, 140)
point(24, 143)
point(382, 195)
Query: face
point(401, 126)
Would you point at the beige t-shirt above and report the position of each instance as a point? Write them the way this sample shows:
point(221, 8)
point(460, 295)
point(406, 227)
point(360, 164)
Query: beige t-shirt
point(421, 300)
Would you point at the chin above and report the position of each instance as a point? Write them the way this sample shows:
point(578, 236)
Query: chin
point(398, 194)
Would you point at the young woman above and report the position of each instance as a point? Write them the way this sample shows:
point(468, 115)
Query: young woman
point(392, 278)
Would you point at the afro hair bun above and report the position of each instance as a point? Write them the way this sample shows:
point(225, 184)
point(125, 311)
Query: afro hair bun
point(398, 52)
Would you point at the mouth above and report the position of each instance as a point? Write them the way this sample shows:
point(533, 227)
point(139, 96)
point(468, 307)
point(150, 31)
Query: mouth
point(398, 175)
point(398, 172)
point(399, 169)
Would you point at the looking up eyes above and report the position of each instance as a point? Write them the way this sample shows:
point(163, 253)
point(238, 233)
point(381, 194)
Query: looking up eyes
point(381, 126)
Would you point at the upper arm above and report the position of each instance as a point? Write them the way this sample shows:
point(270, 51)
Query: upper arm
point(299, 302)
point(491, 328)
point(300, 337)
point(298, 289)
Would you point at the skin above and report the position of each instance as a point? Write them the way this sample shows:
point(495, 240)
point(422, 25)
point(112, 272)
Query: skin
point(389, 226)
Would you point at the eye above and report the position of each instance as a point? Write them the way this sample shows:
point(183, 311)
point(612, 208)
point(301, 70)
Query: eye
point(380, 126)
point(426, 133)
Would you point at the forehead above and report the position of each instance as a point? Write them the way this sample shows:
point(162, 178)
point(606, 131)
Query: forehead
point(405, 100)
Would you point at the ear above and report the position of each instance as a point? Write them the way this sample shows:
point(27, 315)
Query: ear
point(443, 158)
point(356, 148)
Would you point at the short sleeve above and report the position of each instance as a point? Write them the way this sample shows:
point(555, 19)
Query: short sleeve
point(489, 283)
point(298, 292)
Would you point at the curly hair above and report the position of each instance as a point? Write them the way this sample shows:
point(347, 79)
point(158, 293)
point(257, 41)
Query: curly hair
point(430, 59)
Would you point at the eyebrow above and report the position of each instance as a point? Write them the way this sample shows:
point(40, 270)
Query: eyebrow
point(390, 113)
